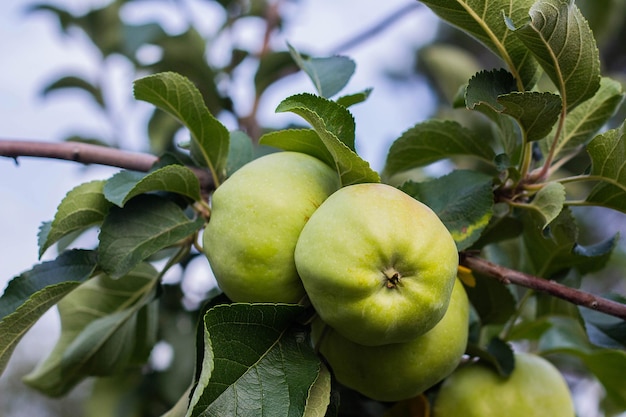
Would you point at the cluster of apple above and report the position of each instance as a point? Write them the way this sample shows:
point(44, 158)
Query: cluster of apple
point(378, 267)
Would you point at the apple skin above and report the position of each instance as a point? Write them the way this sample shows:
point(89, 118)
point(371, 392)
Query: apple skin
point(535, 388)
point(399, 371)
point(257, 215)
point(350, 251)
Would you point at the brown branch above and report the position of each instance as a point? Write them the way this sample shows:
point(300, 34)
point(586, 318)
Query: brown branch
point(575, 296)
point(89, 154)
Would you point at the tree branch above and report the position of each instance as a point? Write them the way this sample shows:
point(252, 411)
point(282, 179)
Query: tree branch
point(575, 296)
point(90, 154)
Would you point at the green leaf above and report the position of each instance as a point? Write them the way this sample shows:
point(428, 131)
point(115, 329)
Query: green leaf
point(567, 336)
point(28, 296)
point(465, 207)
point(562, 42)
point(352, 99)
point(94, 92)
point(256, 362)
point(431, 141)
point(81, 208)
point(272, 67)
point(583, 123)
point(241, 151)
point(608, 156)
point(334, 126)
point(605, 330)
point(329, 75)
point(498, 355)
point(299, 140)
point(319, 394)
point(99, 329)
point(548, 202)
point(177, 96)
point(484, 20)
point(492, 300)
point(535, 112)
point(123, 186)
point(144, 226)
point(555, 250)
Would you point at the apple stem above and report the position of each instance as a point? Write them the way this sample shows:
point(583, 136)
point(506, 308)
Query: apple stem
point(392, 276)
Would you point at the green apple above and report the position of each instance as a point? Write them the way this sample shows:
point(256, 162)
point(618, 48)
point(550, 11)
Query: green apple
point(378, 265)
point(257, 215)
point(535, 388)
point(399, 371)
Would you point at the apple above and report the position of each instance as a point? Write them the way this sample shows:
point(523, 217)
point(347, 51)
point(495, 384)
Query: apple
point(399, 371)
point(535, 388)
point(378, 265)
point(257, 215)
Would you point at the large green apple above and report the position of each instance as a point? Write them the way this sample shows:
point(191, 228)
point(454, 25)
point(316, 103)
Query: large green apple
point(257, 215)
point(399, 371)
point(377, 265)
point(535, 388)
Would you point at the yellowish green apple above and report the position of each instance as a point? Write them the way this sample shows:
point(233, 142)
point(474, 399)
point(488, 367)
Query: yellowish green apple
point(378, 265)
point(535, 388)
point(257, 215)
point(399, 371)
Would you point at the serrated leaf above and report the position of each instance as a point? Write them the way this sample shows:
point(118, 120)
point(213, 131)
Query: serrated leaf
point(582, 123)
point(70, 81)
point(329, 74)
point(608, 156)
point(28, 296)
point(334, 125)
point(562, 42)
point(177, 96)
point(81, 208)
point(466, 206)
point(299, 140)
point(256, 362)
point(555, 250)
point(486, 86)
point(548, 202)
point(124, 185)
point(432, 141)
point(98, 331)
point(144, 226)
point(485, 21)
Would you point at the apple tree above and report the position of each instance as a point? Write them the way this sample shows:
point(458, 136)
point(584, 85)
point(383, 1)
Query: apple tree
point(501, 241)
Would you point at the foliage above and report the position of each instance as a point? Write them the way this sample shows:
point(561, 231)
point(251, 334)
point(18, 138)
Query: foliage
point(528, 142)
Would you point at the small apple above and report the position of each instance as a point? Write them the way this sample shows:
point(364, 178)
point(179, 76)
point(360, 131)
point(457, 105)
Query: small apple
point(399, 371)
point(535, 388)
point(378, 265)
point(256, 217)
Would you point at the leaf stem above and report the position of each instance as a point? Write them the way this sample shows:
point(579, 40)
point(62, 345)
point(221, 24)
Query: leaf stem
point(578, 297)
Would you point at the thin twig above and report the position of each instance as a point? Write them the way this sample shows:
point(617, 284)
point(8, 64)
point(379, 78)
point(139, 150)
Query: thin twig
point(575, 296)
point(85, 153)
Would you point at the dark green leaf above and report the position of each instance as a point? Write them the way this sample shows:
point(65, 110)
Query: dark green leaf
point(176, 95)
point(173, 178)
point(535, 112)
point(95, 92)
point(562, 42)
point(548, 202)
point(608, 155)
point(352, 99)
point(432, 141)
point(485, 20)
point(605, 330)
point(329, 75)
point(334, 126)
point(466, 206)
point(82, 207)
point(144, 226)
point(498, 355)
point(256, 362)
point(28, 296)
point(492, 300)
point(486, 86)
point(241, 151)
point(301, 140)
point(101, 339)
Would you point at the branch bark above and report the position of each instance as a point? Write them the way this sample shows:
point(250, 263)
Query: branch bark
point(575, 296)
point(90, 154)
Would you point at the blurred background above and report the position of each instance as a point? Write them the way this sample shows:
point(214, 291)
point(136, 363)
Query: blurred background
point(67, 74)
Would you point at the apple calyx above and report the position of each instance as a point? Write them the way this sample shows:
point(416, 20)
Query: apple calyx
point(392, 277)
